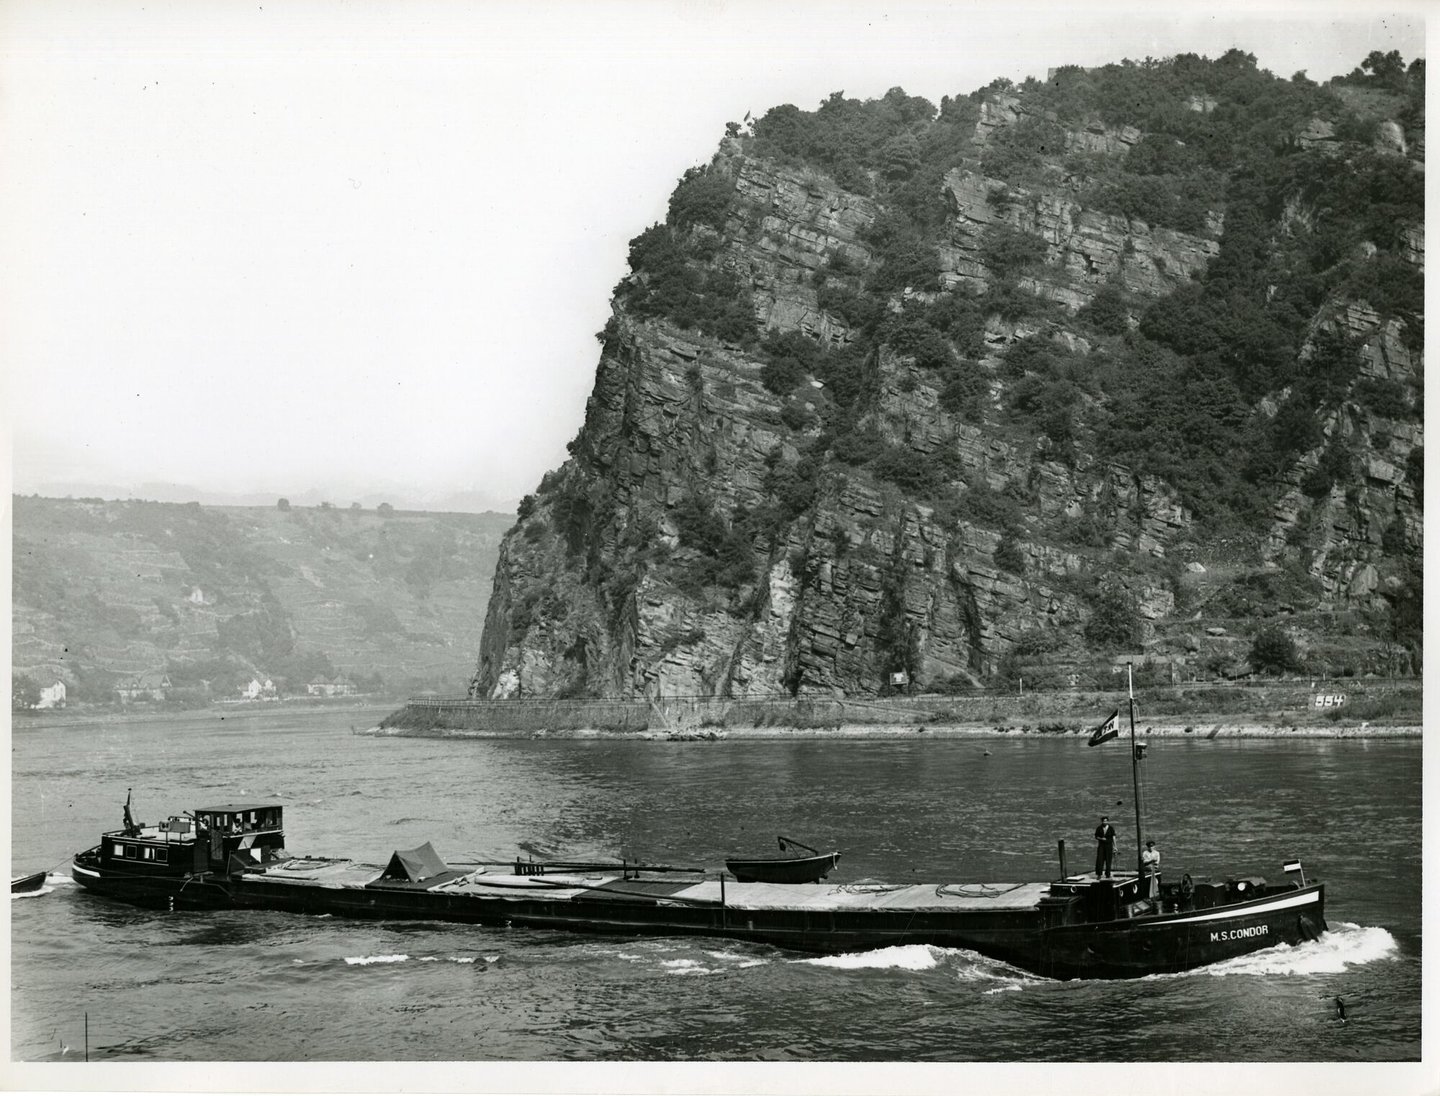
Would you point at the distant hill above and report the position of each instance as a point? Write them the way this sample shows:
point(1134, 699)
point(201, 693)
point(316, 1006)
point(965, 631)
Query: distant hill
point(213, 596)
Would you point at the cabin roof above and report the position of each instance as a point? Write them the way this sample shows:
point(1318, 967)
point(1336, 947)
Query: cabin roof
point(231, 808)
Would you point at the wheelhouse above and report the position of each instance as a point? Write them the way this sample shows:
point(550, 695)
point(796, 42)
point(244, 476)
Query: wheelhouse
point(241, 835)
point(226, 838)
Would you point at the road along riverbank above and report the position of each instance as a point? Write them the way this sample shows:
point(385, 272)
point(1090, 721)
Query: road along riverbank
point(1200, 729)
point(1369, 708)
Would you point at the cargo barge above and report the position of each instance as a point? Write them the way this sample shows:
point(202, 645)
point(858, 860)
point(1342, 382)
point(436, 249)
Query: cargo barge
point(1085, 925)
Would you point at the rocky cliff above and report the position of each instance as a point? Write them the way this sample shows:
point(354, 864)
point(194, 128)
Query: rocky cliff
point(898, 396)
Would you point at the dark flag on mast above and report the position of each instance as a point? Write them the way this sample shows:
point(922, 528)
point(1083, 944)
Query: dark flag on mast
point(1107, 730)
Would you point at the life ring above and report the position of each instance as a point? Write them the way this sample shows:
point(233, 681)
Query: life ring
point(1187, 886)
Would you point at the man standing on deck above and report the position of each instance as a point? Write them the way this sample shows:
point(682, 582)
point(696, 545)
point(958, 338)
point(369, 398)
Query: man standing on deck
point(1104, 847)
point(1150, 866)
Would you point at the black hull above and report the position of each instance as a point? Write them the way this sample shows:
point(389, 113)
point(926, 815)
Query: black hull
point(1176, 942)
point(1125, 948)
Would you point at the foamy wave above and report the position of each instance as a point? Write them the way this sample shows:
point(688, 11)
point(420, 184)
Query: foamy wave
point(969, 966)
point(1345, 945)
point(41, 893)
point(366, 960)
point(901, 957)
point(685, 966)
point(736, 960)
point(974, 967)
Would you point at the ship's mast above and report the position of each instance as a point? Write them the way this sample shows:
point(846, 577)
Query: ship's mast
point(1135, 772)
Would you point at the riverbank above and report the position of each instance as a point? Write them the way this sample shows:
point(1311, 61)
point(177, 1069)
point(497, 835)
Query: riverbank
point(1201, 729)
point(363, 711)
point(1369, 708)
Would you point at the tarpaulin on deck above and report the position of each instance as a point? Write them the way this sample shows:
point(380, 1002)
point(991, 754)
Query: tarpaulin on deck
point(415, 864)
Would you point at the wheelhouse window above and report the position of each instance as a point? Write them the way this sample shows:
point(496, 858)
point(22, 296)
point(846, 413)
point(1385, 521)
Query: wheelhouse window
point(117, 849)
point(132, 852)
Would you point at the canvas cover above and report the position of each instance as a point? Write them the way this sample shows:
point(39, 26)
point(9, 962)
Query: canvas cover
point(414, 864)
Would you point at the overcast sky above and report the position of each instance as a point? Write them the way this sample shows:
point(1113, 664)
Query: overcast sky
point(365, 249)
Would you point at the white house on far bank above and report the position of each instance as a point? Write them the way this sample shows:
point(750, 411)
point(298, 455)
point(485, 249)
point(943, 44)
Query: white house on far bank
point(259, 690)
point(325, 687)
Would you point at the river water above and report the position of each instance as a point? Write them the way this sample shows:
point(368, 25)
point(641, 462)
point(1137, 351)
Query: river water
point(261, 987)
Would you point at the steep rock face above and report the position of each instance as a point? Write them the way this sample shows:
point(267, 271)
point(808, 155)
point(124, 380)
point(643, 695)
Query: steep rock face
point(1085, 248)
point(672, 411)
point(801, 220)
point(1345, 530)
point(1006, 109)
point(668, 412)
point(711, 536)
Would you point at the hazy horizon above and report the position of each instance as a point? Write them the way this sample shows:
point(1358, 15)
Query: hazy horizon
point(468, 502)
point(363, 252)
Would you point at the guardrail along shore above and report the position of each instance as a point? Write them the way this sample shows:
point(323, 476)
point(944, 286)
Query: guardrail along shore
point(1281, 703)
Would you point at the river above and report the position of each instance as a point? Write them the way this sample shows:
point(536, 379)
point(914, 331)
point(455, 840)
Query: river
point(262, 987)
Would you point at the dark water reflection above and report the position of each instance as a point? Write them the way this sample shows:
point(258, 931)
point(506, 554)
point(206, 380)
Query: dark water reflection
point(272, 987)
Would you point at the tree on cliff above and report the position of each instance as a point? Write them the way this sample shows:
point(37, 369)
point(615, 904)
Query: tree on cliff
point(901, 156)
point(1274, 652)
point(1115, 619)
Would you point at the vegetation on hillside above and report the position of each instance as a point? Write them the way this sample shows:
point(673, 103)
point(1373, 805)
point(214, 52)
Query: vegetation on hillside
point(1303, 227)
point(212, 597)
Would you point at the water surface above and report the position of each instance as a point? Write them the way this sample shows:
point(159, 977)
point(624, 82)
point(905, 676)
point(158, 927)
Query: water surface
point(168, 987)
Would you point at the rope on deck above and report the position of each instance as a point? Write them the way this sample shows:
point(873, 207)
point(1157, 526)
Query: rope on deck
point(973, 890)
point(870, 888)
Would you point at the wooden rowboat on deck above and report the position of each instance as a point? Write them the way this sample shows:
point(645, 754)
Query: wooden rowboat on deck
point(785, 869)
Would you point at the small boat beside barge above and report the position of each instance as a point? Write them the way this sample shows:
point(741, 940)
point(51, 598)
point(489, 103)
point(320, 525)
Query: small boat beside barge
point(27, 884)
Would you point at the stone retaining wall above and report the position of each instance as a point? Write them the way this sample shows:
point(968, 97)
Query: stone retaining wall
point(1281, 703)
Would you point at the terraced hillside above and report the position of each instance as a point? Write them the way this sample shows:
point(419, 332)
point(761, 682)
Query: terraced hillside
point(212, 597)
